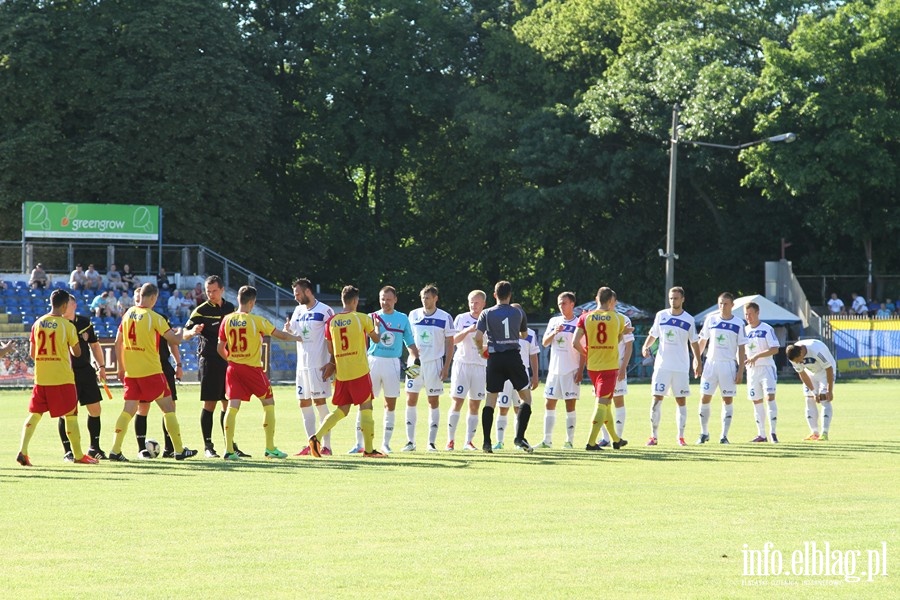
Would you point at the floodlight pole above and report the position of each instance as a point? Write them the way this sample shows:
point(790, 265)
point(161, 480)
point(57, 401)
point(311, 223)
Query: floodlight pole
point(674, 140)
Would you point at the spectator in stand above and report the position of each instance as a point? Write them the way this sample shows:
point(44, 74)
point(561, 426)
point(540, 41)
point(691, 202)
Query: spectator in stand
point(129, 279)
point(98, 304)
point(883, 312)
point(78, 280)
point(114, 279)
point(112, 305)
point(39, 279)
point(162, 280)
point(197, 296)
point(873, 307)
point(835, 305)
point(858, 306)
point(94, 281)
point(178, 305)
point(889, 304)
point(125, 302)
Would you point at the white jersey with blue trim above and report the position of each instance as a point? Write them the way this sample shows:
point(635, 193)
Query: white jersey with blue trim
point(818, 357)
point(564, 358)
point(528, 346)
point(628, 337)
point(723, 336)
point(759, 339)
point(675, 333)
point(309, 324)
point(431, 332)
point(466, 352)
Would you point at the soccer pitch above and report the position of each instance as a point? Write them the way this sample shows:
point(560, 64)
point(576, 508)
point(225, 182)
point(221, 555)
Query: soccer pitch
point(662, 522)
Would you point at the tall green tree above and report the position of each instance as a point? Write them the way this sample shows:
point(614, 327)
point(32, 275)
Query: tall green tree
point(835, 81)
point(139, 102)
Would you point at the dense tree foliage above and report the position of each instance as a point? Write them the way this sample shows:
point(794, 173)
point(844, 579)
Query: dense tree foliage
point(463, 141)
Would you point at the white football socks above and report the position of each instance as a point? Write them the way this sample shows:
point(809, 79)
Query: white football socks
point(727, 413)
point(434, 420)
point(472, 428)
point(549, 424)
point(570, 427)
point(452, 422)
point(760, 410)
point(704, 418)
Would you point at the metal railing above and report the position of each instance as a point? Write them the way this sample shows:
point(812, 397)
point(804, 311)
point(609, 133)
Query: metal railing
point(185, 265)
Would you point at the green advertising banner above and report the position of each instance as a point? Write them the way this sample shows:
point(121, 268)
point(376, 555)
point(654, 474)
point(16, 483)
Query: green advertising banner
point(90, 221)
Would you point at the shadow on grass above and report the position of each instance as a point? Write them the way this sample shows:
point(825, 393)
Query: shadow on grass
point(458, 460)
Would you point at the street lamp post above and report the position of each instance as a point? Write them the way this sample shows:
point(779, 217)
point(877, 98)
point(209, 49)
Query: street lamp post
point(677, 130)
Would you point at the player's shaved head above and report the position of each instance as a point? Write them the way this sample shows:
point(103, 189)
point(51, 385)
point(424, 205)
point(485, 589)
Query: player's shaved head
point(149, 290)
point(604, 295)
point(246, 294)
point(477, 294)
point(59, 299)
point(303, 283)
point(503, 290)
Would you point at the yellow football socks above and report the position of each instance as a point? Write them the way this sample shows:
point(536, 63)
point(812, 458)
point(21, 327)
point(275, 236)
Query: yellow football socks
point(28, 431)
point(74, 436)
point(121, 429)
point(230, 421)
point(174, 430)
point(269, 425)
point(336, 415)
point(367, 424)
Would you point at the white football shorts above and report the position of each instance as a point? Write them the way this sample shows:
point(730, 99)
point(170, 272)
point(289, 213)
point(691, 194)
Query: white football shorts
point(672, 383)
point(429, 379)
point(761, 382)
point(385, 374)
point(468, 380)
point(719, 374)
point(562, 386)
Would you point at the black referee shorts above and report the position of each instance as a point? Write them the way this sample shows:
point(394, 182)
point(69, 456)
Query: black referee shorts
point(503, 367)
point(212, 379)
point(86, 386)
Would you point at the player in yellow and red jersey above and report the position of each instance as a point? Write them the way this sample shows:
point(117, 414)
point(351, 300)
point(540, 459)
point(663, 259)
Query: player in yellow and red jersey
point(240, 343)
point(54, 381)
point(346, 340)
point(597, 337)
point(137, 360)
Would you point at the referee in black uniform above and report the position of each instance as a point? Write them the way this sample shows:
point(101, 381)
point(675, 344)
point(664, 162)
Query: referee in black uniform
point(85, 382)
point(212, 366)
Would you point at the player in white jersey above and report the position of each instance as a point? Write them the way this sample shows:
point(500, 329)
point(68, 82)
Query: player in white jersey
point(309, 321)
point(674, 328)
point(467, 376)
point(385, 363)
point(762, 346)
point(626, 349)
point(723, 337)
point(433, 331)
point(565, 371)
point(816, 366)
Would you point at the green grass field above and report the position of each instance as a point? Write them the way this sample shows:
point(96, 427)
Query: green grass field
point(664, 522)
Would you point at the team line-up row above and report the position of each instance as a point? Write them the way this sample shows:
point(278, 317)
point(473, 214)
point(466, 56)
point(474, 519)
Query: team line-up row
point(489, 355)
